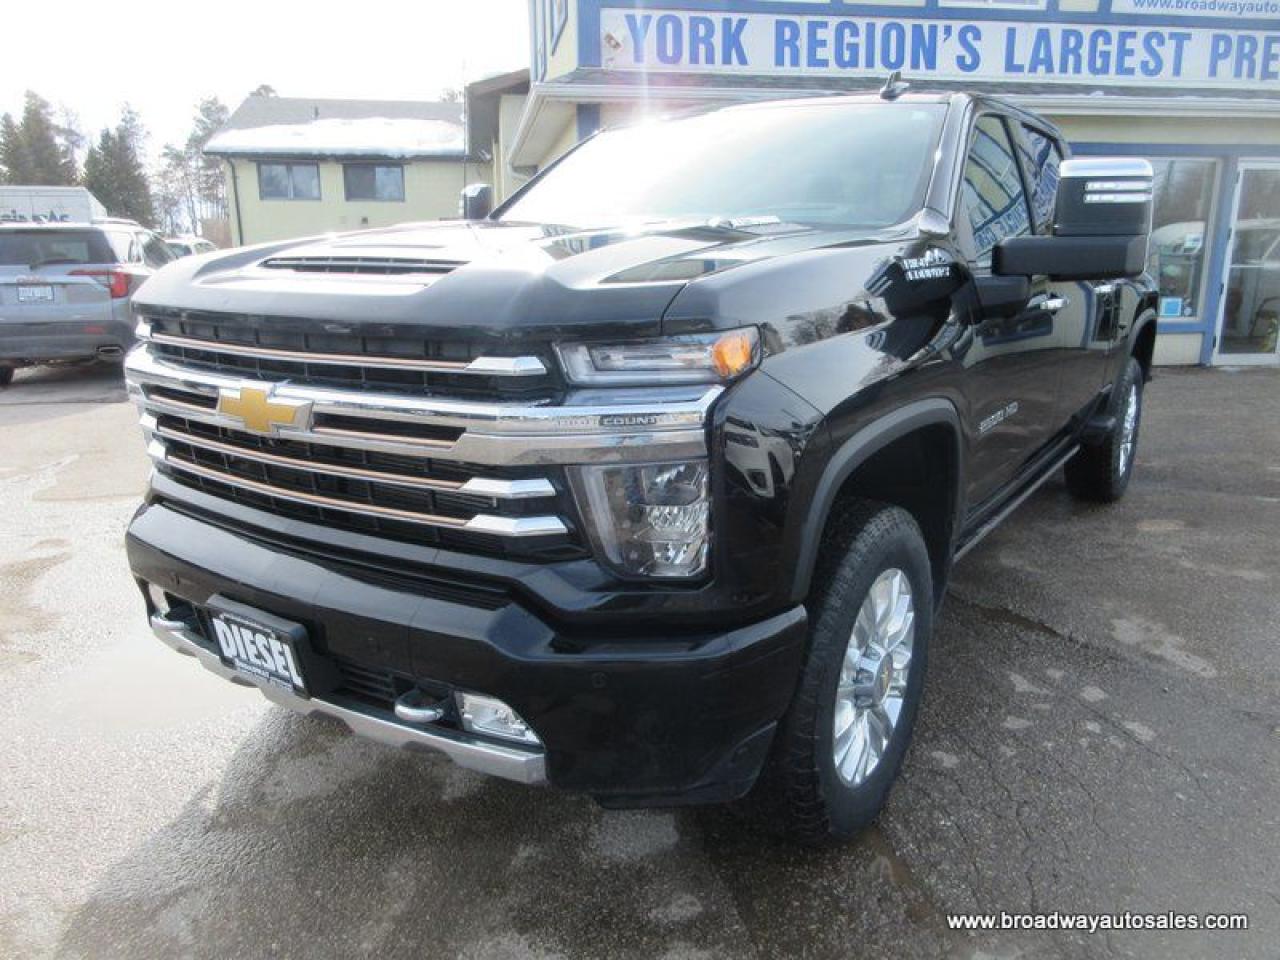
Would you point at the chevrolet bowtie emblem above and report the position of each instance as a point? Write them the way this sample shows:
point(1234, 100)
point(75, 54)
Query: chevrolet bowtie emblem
point(260, 413)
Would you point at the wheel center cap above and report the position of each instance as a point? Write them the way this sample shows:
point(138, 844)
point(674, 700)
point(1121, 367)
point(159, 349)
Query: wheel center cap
point(883, 678)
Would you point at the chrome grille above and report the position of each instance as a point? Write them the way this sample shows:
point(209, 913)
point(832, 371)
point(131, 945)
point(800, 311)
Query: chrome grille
point(343, 357)
point(365, 491)
point(451, 471)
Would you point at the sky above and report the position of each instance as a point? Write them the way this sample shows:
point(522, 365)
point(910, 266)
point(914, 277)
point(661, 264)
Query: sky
point(162, 58)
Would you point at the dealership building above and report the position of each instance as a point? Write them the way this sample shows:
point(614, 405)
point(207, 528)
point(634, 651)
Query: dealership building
point(1192, 85)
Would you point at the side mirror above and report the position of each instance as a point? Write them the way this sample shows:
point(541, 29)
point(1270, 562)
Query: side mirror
point(477, 201)
point(1101, 225)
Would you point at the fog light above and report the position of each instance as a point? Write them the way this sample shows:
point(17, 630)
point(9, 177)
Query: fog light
point(159, 599)
point(493, 718)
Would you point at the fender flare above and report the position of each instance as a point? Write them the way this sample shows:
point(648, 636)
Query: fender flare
point(854, 452)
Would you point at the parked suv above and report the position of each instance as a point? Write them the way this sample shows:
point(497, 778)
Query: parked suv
point(648, 484)
point(66, 289)
point(189, 246)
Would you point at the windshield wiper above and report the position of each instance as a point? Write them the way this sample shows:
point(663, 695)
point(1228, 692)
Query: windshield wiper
point(52, 261)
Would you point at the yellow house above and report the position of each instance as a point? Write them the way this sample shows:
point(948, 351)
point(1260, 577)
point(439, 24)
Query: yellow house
point(298, 167)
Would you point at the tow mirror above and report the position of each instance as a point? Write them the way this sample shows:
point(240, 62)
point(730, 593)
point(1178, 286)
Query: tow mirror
point(1101, 224)
point(477, 201)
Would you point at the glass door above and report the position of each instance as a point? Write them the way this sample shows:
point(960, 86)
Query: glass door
point(1251, 294)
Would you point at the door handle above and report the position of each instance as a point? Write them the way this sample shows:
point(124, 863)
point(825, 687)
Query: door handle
point(1051, 304)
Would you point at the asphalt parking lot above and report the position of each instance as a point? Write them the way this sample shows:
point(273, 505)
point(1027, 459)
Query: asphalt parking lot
point(1101, 733)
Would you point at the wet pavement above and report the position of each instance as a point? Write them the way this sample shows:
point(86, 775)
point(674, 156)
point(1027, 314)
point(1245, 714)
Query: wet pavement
point(1101, 733)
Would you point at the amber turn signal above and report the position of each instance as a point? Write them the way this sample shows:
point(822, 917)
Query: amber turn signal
point(733, 353)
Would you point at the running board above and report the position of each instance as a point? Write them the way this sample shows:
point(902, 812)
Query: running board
point(998, 517)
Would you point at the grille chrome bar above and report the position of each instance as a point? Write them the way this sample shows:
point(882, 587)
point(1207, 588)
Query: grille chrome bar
point(474, 486)
point(490, 366)
point(480, 523)
point(628, 429)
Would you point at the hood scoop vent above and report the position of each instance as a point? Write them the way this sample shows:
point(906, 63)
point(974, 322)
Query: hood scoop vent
point(398, 266)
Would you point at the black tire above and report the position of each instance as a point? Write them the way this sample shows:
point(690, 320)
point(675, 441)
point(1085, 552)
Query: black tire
point(801, 793)
point(1100, 473)
point(6, 376)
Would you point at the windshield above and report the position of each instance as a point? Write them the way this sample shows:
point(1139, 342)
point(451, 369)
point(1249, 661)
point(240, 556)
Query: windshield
point(823, 163)
point(29, 248)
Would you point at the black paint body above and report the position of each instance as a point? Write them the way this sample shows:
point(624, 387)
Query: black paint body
point(653, 693)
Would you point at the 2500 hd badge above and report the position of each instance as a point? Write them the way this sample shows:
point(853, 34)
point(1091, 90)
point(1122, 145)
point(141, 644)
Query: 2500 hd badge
point(649, 494)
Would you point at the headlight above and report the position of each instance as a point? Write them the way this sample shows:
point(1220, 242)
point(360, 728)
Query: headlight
point(696, 358)
point(648, 519)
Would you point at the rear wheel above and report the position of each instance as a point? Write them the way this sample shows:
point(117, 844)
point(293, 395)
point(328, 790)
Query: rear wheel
point(1101, 472)
point(839, 748)
point(6, 376)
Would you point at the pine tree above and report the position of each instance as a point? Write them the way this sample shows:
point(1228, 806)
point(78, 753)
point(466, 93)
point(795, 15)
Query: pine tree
point(13, 162)
point(114, 173)
point(45, 161)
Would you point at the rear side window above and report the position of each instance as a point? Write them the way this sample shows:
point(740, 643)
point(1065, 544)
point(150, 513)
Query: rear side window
point(992, 190)
point(31, 248)
point(124, 247)
point(1043, 159)
point(155, 253)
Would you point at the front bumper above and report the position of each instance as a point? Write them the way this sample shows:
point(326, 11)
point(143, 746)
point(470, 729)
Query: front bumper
point(524, 766)
point(631, 716)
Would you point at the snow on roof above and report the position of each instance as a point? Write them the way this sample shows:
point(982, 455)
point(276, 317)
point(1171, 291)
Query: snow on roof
point(348, 137)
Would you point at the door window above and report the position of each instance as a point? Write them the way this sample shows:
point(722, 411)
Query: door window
point(1043, 160)
point(992, 190)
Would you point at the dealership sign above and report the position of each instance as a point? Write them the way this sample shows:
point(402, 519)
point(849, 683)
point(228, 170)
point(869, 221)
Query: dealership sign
point(952, 48)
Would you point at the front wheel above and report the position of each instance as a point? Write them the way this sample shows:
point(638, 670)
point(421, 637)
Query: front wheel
point(1101, 473)
point(6, 376)
point(839, 748)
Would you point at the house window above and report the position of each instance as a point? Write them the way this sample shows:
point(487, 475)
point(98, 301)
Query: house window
point(288, 181)
point(374, 181)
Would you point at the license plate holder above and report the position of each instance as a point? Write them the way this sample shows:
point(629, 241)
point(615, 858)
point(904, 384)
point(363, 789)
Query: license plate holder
point(263, 648)
point(35, 293)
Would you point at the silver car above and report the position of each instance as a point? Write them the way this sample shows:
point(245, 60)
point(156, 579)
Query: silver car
point(66, 290)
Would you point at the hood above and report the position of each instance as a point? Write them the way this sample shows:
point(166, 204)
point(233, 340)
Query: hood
point(487, 279)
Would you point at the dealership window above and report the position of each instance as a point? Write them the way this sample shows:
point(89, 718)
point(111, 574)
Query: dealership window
point(374, 181)
point(1182, 195)
point(288, 181)
point(992, 189)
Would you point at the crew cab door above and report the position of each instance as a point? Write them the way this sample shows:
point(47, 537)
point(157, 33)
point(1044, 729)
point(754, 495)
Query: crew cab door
point(1086, 320)
point(1013, 360)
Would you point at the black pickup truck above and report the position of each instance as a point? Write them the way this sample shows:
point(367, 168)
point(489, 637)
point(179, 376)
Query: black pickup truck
point(647, 484)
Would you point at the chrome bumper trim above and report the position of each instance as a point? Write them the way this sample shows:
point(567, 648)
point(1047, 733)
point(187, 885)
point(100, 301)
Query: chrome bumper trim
point(510, 763)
